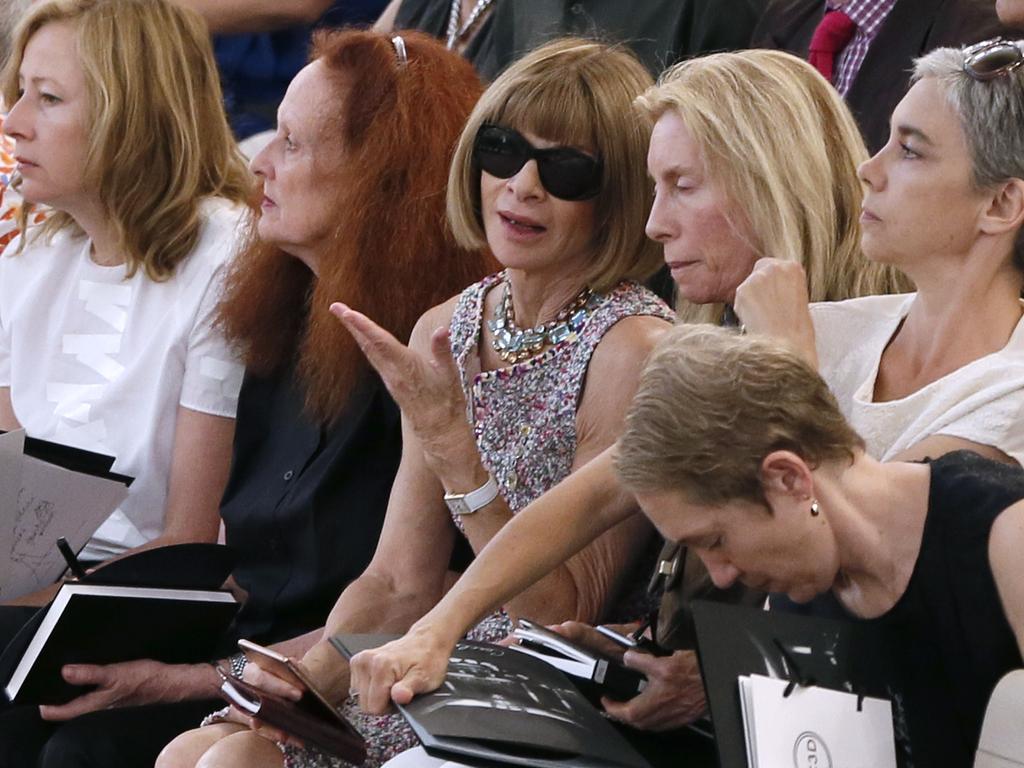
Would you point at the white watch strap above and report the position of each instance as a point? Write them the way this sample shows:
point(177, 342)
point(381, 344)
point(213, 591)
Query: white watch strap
point(468, 503)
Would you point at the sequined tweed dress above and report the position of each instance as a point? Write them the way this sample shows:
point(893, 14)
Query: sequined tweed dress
point(524, 421)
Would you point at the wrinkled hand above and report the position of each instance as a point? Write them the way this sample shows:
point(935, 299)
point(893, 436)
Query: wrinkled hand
point(266, 680)
point(674, 695)
point(235, 715)
point(132, 683)
point(427, 389)
point(398, 671)
point(773, 301)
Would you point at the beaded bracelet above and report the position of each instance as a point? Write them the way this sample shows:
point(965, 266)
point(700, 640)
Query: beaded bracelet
point(237, 662)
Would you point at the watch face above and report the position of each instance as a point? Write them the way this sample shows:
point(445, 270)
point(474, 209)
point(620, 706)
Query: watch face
point(457, 505)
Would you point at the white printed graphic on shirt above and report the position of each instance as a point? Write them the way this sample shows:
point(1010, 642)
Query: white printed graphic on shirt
point(95, 351)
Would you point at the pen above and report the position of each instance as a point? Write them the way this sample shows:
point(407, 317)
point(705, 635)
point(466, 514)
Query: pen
point(70, 558)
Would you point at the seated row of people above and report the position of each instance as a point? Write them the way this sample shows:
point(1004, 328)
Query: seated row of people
point(921, 375)
point(978, 242)
point(549, 177)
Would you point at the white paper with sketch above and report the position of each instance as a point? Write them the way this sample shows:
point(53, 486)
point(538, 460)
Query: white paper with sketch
point(38, 503)
point(814, 727)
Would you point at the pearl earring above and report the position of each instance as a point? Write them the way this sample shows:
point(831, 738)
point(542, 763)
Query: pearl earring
point(815, 509)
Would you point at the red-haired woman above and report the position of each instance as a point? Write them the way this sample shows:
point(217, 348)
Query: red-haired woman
point(354, 199)
point(536, 365)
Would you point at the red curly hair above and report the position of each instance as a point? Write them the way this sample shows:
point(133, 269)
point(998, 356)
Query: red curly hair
point(391, 254)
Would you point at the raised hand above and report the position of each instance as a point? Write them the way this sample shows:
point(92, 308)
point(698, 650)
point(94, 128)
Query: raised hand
point(773, 301)
point(425, 386)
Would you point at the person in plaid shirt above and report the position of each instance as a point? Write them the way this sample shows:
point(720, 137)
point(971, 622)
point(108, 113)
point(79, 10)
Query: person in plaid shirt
point(872, 65)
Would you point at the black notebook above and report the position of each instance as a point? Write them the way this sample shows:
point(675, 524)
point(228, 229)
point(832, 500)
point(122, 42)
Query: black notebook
point(501, 707)
point(101, 624)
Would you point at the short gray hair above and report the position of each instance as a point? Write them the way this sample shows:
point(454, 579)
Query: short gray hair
point(11, 12)
point(991, 114)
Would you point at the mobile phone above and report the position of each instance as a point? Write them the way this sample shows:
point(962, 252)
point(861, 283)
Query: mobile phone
point(284, 668)
point(633, 642)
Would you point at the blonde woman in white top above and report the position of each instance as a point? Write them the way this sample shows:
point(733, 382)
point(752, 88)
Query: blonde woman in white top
point(106, 339)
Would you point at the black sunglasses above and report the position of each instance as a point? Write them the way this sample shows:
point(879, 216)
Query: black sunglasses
point(566, 173)
point(992, 58)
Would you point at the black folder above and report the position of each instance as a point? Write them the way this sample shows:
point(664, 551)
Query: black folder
point(498, 707)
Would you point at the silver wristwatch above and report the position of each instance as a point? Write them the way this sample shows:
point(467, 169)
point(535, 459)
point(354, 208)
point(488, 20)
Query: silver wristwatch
point(468, 503)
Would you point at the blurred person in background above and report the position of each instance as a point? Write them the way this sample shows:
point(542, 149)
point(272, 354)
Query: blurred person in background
point(866, 48)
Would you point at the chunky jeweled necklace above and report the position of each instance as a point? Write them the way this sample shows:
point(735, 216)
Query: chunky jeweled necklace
point(455, 32)
point(514, 344)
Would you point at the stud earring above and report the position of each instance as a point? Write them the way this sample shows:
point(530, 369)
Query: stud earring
point(815, 509)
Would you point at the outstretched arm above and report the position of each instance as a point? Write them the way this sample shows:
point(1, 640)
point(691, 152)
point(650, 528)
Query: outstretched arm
point(581, 507)
point(424, 381)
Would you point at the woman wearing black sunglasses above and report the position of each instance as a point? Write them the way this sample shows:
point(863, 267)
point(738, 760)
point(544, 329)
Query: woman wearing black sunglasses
point(542, 358)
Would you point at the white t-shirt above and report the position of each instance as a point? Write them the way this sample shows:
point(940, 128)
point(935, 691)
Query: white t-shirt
point(983, 401)
point(102, 363)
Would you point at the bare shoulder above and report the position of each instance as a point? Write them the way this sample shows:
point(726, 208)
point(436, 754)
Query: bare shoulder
point(628, 343)
point(612, 379)
point(439, 316)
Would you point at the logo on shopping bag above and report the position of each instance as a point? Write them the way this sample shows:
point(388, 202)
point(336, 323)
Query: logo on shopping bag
point(810, 751)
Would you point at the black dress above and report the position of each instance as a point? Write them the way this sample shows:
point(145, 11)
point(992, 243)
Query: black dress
point(948, 634)
point(304, 504)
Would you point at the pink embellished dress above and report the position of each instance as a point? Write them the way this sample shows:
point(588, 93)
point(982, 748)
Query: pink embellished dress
point(524, 421)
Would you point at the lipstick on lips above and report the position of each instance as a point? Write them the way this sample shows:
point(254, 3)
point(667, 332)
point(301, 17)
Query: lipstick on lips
point(520, 226)
point(674, 266)
point(866, 214)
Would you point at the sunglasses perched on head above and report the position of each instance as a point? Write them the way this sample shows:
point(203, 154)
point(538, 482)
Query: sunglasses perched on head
point(566, 173)
point(992, 58)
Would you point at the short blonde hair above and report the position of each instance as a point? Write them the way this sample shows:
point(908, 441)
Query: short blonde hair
point(159, 139)
point(712, 404)
point(783, 147)
point(574, 92)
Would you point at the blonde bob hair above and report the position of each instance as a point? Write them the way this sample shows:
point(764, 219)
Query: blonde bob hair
point(712, 404)
point(783, 147)
point(159, 140)
point(574, 92)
